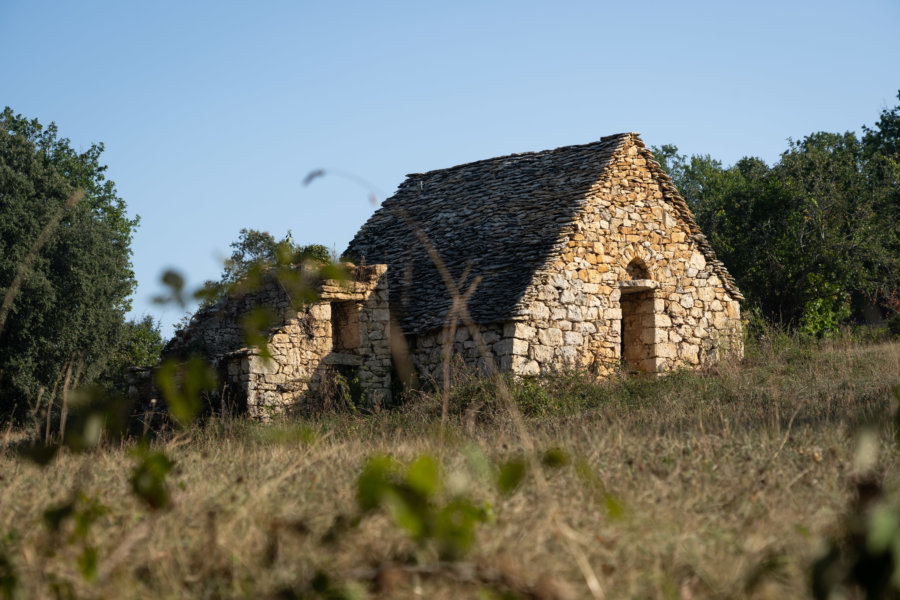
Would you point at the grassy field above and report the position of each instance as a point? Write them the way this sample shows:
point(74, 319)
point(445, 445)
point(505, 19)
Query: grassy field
point(721, 484)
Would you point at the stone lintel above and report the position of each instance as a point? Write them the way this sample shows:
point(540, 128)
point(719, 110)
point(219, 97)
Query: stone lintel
point(337, 358)
point(637, 285)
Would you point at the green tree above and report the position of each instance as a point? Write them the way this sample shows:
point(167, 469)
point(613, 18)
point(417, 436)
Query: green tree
point(260, 248)
point(65, 268)
point(252, 253)
point(885, 137)
point(140, 346)
point(810, 238)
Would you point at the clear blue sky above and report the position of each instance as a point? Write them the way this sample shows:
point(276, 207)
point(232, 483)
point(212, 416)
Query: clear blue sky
point(213, 112)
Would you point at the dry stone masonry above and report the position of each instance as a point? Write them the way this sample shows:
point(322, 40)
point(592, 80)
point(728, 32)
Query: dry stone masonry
point(579, 258)
point(588, 259)
point(344, 335)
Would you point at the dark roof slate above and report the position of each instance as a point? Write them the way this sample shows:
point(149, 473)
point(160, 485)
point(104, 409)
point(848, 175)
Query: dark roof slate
point(498, 218)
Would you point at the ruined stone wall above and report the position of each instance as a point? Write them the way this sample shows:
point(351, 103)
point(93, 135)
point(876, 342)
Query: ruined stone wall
point(681, 314)
point(301, 343)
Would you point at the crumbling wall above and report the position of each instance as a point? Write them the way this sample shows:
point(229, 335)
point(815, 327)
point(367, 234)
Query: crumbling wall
point(301, 343)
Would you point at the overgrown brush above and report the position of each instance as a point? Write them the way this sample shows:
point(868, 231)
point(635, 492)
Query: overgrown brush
point(719, 483)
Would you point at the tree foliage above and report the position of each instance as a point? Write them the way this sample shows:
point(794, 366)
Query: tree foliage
point(260, 248)
point(68, 310)
point(252, 253)
point(812, 238)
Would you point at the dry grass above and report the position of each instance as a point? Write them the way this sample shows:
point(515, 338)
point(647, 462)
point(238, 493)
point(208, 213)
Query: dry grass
point(728, 483)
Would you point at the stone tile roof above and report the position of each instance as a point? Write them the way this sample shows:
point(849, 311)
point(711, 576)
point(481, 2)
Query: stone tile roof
point(498, 218)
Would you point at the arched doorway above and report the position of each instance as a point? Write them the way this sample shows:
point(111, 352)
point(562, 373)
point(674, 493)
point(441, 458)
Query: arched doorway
point(638, 334)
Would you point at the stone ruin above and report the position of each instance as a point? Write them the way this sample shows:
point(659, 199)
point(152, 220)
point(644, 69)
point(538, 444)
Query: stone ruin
point(341, 338)
point(580, 258)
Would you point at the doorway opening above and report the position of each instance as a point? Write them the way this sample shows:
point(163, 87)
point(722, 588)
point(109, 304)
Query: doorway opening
point(638, 334)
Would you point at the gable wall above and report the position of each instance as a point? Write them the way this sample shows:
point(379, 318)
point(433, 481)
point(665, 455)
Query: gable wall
point(573, 306)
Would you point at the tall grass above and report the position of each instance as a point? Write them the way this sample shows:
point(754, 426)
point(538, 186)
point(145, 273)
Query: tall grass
point(722, 483)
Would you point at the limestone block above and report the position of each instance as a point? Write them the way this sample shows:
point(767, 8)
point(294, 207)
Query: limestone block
point(511, 346)
point(564, 325)
point(706, 294)
point(539, 311)
point(490, 336)
point(612, 313)
point(542, 354)
point(715, 305)
point(573, 338)
point(653, 335)
point(551, 336)
point(320, 311)
point(663, 320)
point(690, 353)
point(720, 320)
point(547, 293)
point(651, 365)
point(666, 350)
point(734, 310)
point(586, 327)
point(697, 260)
point(559, 280)
point(568, 354)
point(530, 368)
point(574, 313)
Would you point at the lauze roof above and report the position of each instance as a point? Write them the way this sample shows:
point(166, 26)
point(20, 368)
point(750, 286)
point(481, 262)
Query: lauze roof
point(497, 218)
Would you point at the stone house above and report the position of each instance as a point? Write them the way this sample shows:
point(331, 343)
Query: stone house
point(583, 257)
point(587, 258)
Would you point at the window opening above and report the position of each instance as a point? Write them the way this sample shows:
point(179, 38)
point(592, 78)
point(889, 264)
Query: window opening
point(345, 327)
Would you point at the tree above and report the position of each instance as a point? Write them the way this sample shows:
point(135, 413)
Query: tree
point(252, 253)
point(140, 346)
point(810, 239)
point(65, 269)
point(260, 248)
point(885, 138)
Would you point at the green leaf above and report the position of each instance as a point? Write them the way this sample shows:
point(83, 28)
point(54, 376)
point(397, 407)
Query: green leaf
point(615, 510)
point(884, 528)
point(148, 481)
point(375, 481)
point(424, 475)
point(182, 385)
point(256, 325)
point(555, 458)
point(511, 475)
point(87, 563)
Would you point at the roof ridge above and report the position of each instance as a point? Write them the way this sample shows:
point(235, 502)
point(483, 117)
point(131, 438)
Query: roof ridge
point(476, 163)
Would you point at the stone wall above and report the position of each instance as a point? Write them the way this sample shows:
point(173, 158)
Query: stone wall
point(630, 259)
point(628, 284)
point(426, 351)
point(345, 332)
